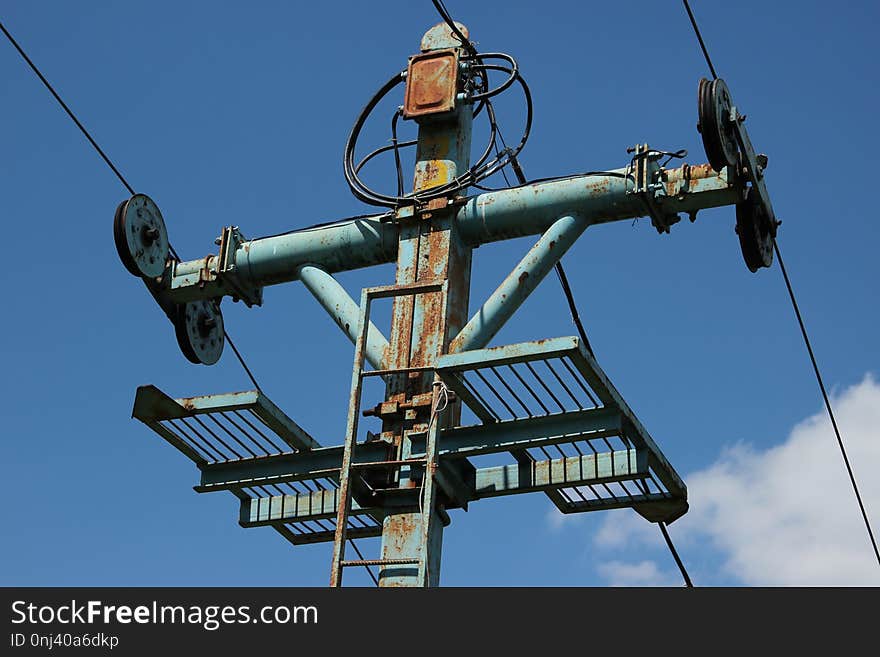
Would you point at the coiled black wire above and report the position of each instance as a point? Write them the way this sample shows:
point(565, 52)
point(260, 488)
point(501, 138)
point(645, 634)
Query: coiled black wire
point(484, 166)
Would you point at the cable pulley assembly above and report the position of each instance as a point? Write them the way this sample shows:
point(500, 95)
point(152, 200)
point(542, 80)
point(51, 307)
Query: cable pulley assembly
point(142, 244)
point(727, 144)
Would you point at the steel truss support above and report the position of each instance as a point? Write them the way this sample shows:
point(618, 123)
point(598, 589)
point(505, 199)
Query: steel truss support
point(549, 395)
point(519, 284)
point(344, 311)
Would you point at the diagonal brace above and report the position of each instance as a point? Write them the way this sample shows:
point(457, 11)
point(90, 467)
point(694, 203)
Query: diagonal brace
point(519, 284)
point(345, 312)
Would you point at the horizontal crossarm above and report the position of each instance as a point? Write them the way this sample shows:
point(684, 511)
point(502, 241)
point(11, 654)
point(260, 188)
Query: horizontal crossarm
point(490, 217)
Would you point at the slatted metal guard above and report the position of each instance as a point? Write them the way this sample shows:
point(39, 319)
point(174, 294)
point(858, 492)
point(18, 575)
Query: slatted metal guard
point(550, 405)
point(547, 403)
point(229, 428)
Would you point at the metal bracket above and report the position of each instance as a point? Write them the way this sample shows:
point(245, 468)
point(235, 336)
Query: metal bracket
point(649, 186)
point(230, 239)
point(753, 168)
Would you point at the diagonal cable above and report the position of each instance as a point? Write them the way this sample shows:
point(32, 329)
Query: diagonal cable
point(576, 318)
point(797, 312)
point(678, 562)
point(696, 27)
point(849, 470)
point(107, 160)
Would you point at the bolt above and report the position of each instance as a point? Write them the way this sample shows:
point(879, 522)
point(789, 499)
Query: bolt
point(150, 234)
point(205, 323)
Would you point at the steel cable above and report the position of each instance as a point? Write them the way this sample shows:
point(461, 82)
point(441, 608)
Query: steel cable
point(803, 329)
point(109, 163)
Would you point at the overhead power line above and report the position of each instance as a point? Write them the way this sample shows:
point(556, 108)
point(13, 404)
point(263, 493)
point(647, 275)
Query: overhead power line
point(109, 163)
point(700, 38)
point(797, 312)
point(130, 189)
point(678, 562)
point(576, 318)
point(66, 108)
point(849, 470)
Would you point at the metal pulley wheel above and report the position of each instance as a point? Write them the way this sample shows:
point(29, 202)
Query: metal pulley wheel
point(140, 236)
point(755, 233)
point(199, 329)
point(719, 140)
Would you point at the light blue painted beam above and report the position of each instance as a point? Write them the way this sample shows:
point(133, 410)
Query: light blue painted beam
point(605, 467)
point(570, 472)
point(599, 198)
point(519, 284)
point(344, 311)
point(318, 505)
point(490, 217)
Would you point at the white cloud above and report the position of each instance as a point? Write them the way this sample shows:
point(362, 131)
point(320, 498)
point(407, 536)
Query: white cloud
point(783, 516)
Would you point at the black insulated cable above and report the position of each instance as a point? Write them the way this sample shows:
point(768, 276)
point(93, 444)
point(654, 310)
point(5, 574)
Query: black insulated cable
point(110, 164)
point(806, 338)
point(690, 14)
point(687, 579)
point(575, 315)
point(849, 470)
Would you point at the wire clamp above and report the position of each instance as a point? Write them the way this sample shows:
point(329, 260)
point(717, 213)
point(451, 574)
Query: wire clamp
point(647, 176)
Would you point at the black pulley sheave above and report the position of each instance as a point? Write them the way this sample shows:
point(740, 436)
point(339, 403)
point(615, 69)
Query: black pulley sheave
point(754, 232)
point(719, 132)
point(719, 139)
point(142, 244)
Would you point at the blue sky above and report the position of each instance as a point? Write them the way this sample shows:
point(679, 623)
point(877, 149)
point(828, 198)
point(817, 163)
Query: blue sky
point(226, 115)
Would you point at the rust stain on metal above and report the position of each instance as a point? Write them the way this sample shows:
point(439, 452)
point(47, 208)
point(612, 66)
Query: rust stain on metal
point(599, 186)
point(431, 83)
point(523, 277)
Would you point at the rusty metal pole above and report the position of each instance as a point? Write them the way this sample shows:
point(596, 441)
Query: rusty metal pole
point(430, 250)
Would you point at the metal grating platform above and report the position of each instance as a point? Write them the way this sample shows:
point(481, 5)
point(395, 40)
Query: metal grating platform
point(230, 427)
point(547, 406)
point(555, 387)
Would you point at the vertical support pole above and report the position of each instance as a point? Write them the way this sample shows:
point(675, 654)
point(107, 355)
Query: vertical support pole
point(430, 250)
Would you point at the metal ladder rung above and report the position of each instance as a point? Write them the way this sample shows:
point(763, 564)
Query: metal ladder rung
point(398, 370)
point(380, 562)
point(387, 464)
point(345, 472)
